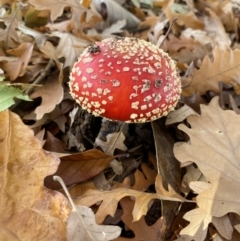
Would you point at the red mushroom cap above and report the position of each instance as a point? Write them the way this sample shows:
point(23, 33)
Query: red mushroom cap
point(125, 79)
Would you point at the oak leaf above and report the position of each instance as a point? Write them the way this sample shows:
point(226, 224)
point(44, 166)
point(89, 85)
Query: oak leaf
point(28, 209)
point(214, 147)
point(57, 7)
point(140, 228)
point(109, 199)
point(69, 47)
point(80, 167)
point(198, 226)
point(23, 53)
point(114, 140)
point(225, 68)
point(81, 224)
point(49, 100)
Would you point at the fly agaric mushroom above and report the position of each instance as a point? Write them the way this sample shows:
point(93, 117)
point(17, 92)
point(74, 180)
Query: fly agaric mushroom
point(125, 79)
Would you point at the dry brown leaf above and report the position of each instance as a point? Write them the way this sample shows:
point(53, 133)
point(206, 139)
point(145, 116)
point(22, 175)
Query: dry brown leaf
point(213, 146)
point(141, 230)
point(50, 51)
point(109, 200)
point(225, 67)
point(57, 7)
point(28, 209)
point(6, 234)
point(23, 53)
point(186, 17)
point(9, 34)
point(53, 144)
point(80, 167)
point(69, 47)
point(114, 140)
point(174, 44)
point(142, 179)
point(81, 188)
point(49, 100)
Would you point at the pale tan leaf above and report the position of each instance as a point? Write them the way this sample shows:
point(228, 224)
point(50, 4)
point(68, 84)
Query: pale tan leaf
point(216, 30)
point(214, 147)
point(192, 174)
point(113, 29)
point(69, 47)
point(28, 209)
point(224, 226)
point(82, 226)
point(199, 187)
point(180, 115)
point(109, 199)
point(198, 227)
point(225, 68)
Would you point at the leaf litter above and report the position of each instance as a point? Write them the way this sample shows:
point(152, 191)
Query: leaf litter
point(188, 161)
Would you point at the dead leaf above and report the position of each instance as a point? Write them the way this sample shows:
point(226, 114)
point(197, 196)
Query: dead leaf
point(69, 47)
point(216, 31)
point(224, 68)
point(9, 34)
point(50, 51)
point(6, 234)
point(81, 224)
point(53, 144)
point(180, 115)
point(114, 140)
point(56, 7)
point(112, 12)
point(109, 200)
point(143, 179)
point(183, 14)
point(140, 228)
point(198, 227)
point(80, 167)
point(29, 210)
point(213, 146)
point(49, 101)
point(192, 174)
point(23, 54)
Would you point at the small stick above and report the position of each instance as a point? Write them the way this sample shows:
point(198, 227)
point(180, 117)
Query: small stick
point(169, 29)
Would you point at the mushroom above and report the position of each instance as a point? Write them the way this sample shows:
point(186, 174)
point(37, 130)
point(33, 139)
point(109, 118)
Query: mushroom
point(125, 79)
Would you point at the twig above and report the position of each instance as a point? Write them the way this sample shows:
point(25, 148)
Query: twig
point(169, 29)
